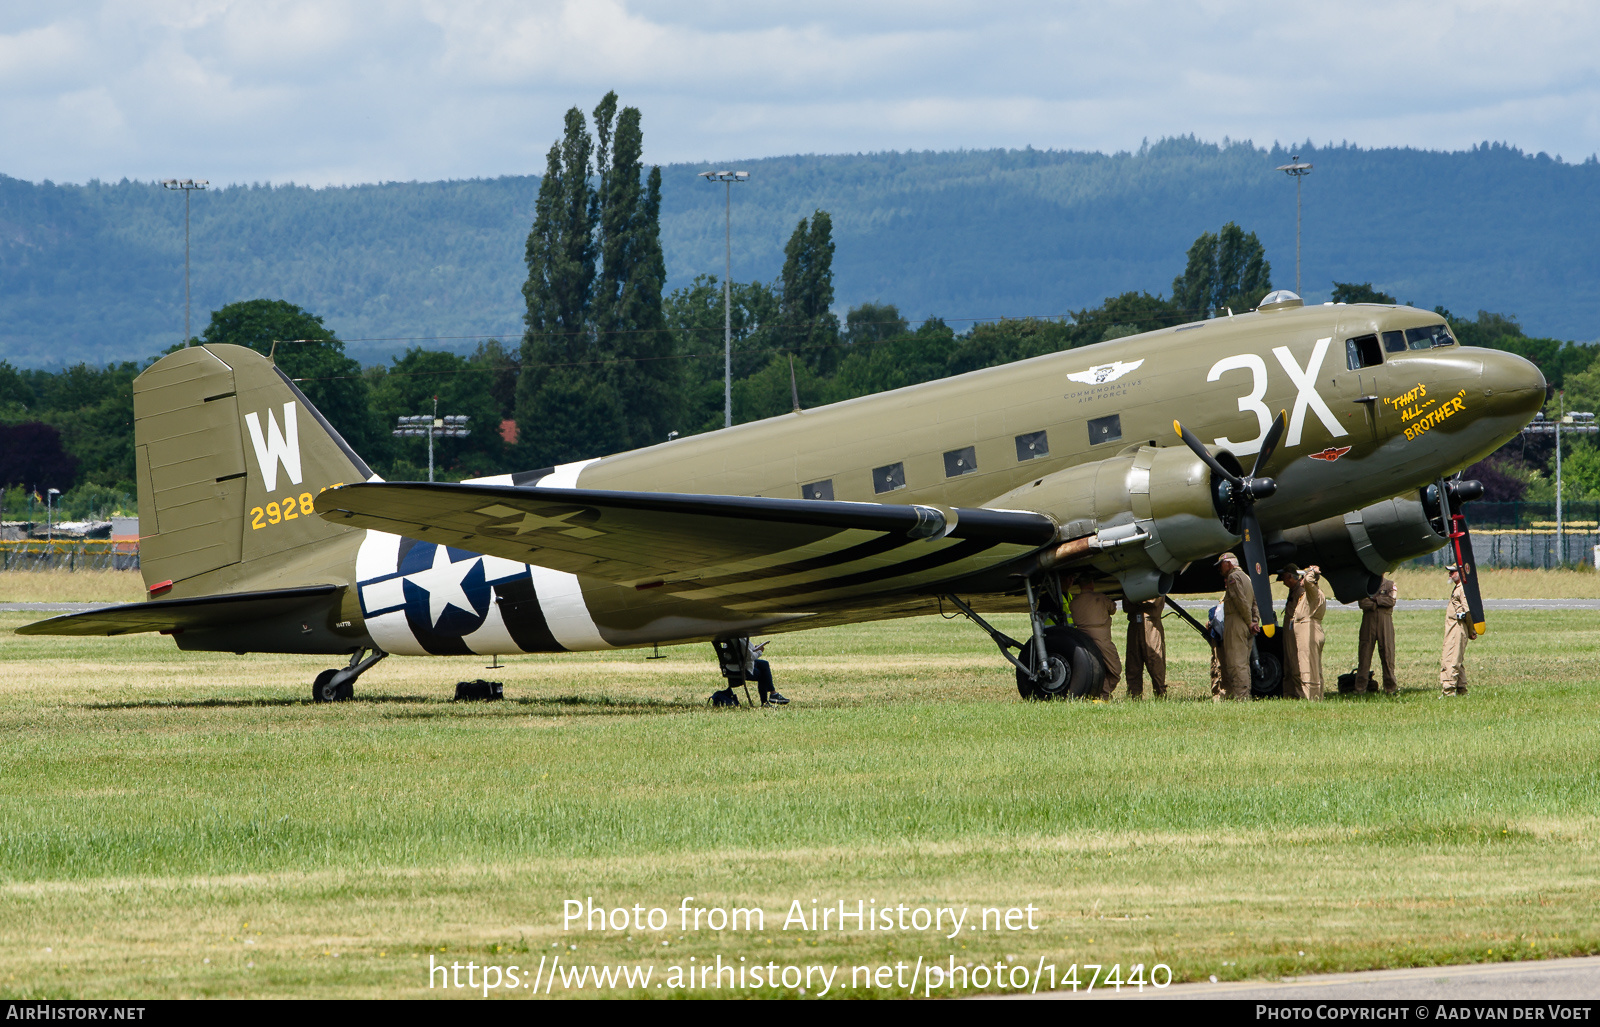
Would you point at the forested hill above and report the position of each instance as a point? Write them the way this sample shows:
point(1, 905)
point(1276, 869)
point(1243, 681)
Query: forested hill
point(95, 272)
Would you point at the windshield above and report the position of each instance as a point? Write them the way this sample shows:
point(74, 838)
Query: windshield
point(1429, 337)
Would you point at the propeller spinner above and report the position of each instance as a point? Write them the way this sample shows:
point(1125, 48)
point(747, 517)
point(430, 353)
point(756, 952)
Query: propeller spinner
point(1238, 495)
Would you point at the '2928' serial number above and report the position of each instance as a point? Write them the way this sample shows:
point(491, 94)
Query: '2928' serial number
point(289, 509)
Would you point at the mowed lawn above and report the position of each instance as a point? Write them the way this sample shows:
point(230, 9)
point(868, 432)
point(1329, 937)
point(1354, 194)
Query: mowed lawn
point(180, 824)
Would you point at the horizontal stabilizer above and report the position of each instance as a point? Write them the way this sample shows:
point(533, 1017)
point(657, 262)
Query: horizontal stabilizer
point(640, 537)
point(181, 614)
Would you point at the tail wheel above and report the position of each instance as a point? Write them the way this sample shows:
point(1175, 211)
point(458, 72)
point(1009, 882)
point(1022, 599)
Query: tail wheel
point(1073, 666)
point(325, 690)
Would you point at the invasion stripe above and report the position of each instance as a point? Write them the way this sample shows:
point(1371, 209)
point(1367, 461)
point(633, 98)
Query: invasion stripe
point(963, 550)
point(859, 551)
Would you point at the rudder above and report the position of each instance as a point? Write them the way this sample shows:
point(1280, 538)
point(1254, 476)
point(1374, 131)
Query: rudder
point(230, 455)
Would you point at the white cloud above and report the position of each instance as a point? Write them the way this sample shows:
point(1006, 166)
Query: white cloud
point(361, 90)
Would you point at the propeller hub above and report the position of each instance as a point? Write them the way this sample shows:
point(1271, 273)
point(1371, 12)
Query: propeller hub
point(1261, 488)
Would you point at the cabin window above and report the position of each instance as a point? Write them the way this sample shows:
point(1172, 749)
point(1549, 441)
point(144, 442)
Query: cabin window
point(1362, 351)
point(887, 479)
point(1394, 342)
point(1105, 429)
point(960, 461)
point(1429, 337)
point(817, 490)
point(1033, 445)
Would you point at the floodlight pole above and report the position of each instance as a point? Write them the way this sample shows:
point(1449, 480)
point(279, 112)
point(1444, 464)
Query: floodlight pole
point(727, 178)
point(451, 426)
point(1296, 170)
point(186, 186)
point(1579, 422)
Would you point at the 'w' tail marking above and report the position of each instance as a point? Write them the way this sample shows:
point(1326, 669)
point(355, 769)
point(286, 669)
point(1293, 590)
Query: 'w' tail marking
point(277, 446)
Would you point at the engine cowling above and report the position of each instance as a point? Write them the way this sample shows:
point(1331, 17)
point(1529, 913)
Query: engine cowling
point(1356, 549)
point(1140, 516)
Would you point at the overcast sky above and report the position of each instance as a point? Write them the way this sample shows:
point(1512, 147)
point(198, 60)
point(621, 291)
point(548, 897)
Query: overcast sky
point(344, 91)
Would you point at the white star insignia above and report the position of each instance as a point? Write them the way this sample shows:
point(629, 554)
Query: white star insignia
point(442, 582)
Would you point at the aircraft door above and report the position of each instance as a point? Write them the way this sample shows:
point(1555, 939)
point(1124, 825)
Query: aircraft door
point(1359, 383)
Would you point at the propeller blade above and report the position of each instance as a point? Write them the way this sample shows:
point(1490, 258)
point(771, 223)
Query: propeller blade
point(1203, 453)
point(1269, 443)
point(1255, 559)
point(1461, 546)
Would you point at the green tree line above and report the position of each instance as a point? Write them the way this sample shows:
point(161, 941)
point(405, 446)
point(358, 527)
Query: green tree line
point(610, 360)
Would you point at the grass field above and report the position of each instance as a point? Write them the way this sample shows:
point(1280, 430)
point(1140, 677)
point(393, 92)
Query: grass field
point(190, 825)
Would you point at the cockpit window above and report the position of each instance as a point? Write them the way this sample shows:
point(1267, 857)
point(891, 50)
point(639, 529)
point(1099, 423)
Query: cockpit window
point(1394, 342)
point(1429, 337)
point(1362, 351)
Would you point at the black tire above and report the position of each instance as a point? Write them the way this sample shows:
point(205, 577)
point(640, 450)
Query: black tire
point(344, 691)
point(1269, 683)
point(1075, 653)
point(323, 690)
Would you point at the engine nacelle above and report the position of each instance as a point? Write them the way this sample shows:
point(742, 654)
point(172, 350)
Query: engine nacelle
point(1141, 516)
point(1356, 549)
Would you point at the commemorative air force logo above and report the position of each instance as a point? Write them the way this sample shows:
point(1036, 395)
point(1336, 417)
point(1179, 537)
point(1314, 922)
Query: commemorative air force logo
point(1104, 373)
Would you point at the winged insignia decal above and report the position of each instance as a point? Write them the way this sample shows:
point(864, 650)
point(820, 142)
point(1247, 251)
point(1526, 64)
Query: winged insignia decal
point(1103, 373)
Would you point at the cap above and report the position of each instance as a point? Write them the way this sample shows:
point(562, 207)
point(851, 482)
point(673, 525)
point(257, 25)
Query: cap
point(1289, 568)
point(1227, 556)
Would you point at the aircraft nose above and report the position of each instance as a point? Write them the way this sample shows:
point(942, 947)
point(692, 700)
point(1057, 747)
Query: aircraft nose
point(1511, 385)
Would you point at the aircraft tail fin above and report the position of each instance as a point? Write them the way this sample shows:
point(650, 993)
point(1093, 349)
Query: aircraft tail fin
point(230, 456)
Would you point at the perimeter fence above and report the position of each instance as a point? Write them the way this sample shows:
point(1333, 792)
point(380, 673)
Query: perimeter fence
point(1511, 547)
point(94, 554)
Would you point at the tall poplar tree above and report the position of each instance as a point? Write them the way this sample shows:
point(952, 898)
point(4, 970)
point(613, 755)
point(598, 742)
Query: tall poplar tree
point(810, 328)
point(629, 319)
point(1227, 270)
point(596, 375)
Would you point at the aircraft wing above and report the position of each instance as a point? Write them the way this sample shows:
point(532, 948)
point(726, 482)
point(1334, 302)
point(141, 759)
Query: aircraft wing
point(179, 614)
point(727, 545)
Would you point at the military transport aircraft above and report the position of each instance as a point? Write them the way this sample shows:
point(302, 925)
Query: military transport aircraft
point(262, 531)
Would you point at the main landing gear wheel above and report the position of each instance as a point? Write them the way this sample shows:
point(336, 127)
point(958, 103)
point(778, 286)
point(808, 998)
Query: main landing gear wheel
point(1266, 675)
point(1073, 667)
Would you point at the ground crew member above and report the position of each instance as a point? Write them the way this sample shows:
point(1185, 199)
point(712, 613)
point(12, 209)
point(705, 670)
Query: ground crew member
point(1458, 629)
point(1214, 636)
point(1308, 634)
point(1147, 646)
point(1293, 686)
point(1377, 625)
point(1241, 619)
point(1091, 614)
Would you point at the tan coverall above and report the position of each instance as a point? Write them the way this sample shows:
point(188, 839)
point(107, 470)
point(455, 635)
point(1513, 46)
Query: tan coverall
point(1308, 636)
point(1377, 625)
point(1240, 616)
point(1147, 646)
point(1457, 631)
point(1292, 687)
point(1091, 614)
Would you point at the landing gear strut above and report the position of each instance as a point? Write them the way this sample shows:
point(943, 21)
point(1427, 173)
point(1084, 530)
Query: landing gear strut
point(1059, 660)
point(339, 684)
